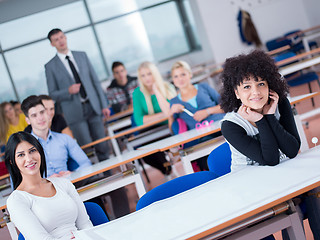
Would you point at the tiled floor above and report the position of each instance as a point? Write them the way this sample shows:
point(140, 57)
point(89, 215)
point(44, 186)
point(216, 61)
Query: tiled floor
point(157, 178)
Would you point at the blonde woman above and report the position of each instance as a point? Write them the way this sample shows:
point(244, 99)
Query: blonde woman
point(10, 121)
point(200, 99)
point(151, 102)
point(151, 98)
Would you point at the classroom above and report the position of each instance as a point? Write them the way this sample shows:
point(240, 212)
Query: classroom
point(150, 101)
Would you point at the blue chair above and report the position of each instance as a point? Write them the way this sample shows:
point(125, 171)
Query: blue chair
point(176, 127)
point(298, 46)
point(174, 187)
point(219, 160)
point(95, 213)
point(277, 43)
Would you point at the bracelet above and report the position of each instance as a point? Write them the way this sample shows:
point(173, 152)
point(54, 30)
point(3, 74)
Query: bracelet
point(208, 111)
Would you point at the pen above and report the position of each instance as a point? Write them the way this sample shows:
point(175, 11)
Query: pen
point(188, 112)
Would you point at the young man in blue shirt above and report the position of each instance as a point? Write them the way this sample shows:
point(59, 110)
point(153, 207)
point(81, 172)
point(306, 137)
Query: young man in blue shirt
point(60, 148)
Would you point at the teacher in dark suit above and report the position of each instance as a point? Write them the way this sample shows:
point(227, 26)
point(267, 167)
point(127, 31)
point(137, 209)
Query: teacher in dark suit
point(73, 83)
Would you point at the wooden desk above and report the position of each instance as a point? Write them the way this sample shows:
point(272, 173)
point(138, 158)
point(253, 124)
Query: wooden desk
point(120, 115)
point(218, 204)
point(299, 66)
point(114, 182)
point(4, 176)
point(179, 139)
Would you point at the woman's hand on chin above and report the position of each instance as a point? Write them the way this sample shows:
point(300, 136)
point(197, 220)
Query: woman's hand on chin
point(271, 107)
point(249, 114)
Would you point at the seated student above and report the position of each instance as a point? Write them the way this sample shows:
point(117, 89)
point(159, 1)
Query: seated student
point(200, 99)
point(150, 102)
point(10, 121)
point(17, 106)
point(60, 148)
point(119, 92)
point(259, 124)
point(57, 123)
point(40, 208)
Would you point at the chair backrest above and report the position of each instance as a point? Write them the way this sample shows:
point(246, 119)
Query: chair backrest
point(174, 187)
point(95, 212)
point(72, 165)
point(283, 56)
point(219, 160)
point(179, 126)
point(277, 43)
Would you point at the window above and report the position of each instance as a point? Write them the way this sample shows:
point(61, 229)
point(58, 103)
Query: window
point(125, 39)
point(165, 31)
point(37, 26)
point(6, 91)
point(27, 67)
point(102, 9)
point(131, 31)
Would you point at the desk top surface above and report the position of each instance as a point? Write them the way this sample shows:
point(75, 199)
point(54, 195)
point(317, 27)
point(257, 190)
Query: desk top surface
point(183, 138)
point(109, 164)
point(216, 204)
point(300, 98)
point(299, 65)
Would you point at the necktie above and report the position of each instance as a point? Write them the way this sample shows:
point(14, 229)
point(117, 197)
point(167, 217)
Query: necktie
point(77, 78)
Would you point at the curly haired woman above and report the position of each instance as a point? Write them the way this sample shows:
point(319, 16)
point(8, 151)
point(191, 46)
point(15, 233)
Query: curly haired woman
point(259, 125)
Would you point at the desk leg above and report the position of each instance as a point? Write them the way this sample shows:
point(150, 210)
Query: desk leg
point(114, 143)
point(11, 227)
point(139, 185)
point(304, 143)
point(187, 166)
point(12, 231)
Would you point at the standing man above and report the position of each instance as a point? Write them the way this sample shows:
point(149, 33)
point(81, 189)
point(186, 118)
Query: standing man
point(74, 85)
point(119, 92)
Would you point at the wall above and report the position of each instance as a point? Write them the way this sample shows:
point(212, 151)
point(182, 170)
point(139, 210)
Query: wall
point(312, 8)
point(272, 18)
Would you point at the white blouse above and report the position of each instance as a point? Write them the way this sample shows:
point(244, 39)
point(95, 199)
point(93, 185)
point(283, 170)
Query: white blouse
point(48, 218)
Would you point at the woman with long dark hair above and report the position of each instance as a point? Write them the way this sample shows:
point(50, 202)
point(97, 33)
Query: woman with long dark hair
point(40, 208)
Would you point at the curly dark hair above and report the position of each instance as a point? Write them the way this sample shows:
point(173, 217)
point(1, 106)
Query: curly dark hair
point(255, 64)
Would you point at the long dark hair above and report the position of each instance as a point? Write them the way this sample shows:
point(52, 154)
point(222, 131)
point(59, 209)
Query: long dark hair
point(14, 140)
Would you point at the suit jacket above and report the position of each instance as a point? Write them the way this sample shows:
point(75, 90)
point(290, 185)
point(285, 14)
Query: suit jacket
point(59, 80)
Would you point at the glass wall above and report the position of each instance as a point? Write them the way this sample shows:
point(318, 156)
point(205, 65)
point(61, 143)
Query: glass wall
point(130, 31)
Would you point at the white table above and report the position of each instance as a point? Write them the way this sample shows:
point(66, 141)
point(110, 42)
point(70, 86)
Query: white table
point(179, 139)
point(107, 185)
point(218, 204)
point(299, 65)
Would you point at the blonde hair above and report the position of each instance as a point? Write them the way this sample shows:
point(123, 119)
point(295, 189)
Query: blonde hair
point(181, 64)
point(4, 122)
point(166, 91)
